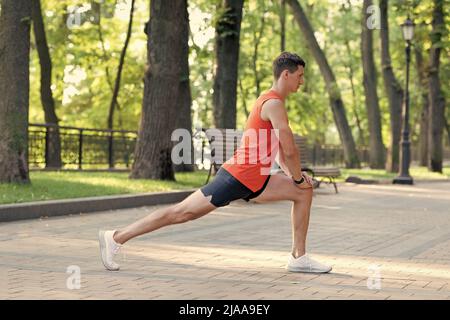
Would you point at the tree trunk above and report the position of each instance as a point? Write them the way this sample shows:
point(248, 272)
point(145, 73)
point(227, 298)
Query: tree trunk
point(165, 46)
point(423, 81)
point(244, 98)
point(394, 93)
point(113, 103)
point(435, 98)
point(105, 55)
point(337, 105)
point(53, 145)
point(447, 128)
point(283, 25)
point(257, 41)
point(227, 54)
point(376, 147)
point(184, 119)
point(15, 19)
point(361, 140)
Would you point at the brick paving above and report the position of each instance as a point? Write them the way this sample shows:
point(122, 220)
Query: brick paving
point(383, 241)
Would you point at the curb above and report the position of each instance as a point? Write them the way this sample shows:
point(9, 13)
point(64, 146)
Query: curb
point(389, 181)
point(53, 208)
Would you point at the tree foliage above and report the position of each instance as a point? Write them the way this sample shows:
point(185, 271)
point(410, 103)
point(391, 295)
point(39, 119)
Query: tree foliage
point(84, 65)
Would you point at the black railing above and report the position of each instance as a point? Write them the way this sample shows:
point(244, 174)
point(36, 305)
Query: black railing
point(326, 155)
point(83, 147)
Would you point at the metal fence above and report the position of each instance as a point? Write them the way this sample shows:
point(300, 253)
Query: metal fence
point(332, 155)
point(326, 155)
point(83, 148)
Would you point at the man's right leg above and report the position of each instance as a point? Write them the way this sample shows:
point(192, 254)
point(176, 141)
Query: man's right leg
point(193, 207)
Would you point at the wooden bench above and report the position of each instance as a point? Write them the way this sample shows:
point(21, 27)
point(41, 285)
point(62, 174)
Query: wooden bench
point(330, 173)
point(223, 143)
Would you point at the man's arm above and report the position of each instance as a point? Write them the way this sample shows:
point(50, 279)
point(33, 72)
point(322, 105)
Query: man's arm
point(282, 162)
point(274, 111)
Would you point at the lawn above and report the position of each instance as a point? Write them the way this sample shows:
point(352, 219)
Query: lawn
point(67, 185)
point(418, 173)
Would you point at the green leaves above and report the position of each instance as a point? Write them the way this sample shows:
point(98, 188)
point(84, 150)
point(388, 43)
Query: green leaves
point(338, 25)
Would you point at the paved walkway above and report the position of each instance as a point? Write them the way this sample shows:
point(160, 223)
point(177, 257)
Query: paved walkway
point(384, 242)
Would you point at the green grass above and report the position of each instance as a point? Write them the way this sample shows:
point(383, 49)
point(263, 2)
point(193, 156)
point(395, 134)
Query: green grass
point(67, 185)
point(416, 173)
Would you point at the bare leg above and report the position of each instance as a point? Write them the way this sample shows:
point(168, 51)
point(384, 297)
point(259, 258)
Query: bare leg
point(300, 213)
point(153, 221)
point(193, 207)
point(281, 187)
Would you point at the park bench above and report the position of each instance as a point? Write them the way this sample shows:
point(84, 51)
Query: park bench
point(318, 173)
point(223, 144)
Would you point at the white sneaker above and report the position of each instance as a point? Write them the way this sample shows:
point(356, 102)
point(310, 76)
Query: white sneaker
point(108, 249)
point(306, 264)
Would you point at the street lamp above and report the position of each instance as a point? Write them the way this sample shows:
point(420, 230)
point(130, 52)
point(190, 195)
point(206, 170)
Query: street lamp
point(404, 177)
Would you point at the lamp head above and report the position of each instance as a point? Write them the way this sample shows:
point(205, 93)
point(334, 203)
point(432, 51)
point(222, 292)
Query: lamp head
point(408, 29)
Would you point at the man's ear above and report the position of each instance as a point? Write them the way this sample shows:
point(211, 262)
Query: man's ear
point(285, 73)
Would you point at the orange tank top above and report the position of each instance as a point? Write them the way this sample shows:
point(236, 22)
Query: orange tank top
point(253, 159)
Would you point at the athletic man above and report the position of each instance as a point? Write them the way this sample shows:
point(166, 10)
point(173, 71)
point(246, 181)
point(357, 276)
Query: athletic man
point(243, 178)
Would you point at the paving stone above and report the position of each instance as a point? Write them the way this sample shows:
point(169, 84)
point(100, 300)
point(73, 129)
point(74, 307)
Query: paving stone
point(240, 251)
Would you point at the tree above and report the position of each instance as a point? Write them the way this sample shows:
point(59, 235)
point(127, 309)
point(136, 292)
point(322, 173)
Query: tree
point(116, 89)
point(257, 36)
point(119, 69)
point(53, 144)
point(15, 21)
point(337, 105)
point(161, 90)
point(105, 57)
point(184, 119)
point(227, 58)
point(435, 97)
point(282, 25)
point(352, 64)
point(351, 73)
point(447, 128)
point(376, 147)
point(393, 90)
point(423, 88)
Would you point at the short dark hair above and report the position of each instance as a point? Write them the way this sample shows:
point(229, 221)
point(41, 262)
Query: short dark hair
point(286, 60)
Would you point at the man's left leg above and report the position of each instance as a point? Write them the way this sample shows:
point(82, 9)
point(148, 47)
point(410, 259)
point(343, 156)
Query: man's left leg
point(281, 187)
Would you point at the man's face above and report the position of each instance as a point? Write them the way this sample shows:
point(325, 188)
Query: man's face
point(295, 80)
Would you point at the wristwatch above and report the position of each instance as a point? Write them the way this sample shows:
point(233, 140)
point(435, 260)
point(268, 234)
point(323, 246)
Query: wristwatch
point(298, 181)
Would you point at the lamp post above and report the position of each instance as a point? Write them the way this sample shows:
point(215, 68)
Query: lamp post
point(405, 156)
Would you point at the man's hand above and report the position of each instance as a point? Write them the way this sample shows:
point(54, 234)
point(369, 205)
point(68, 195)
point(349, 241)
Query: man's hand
point(308, 183)
point(308, 178)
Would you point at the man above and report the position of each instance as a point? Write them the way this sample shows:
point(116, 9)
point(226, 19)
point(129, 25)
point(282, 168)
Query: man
point(243, 178)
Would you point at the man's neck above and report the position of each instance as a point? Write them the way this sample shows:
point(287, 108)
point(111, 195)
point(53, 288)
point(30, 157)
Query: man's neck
point(283, 92)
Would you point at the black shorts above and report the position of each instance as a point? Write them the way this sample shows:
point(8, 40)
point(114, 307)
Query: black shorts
point(226, 188)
